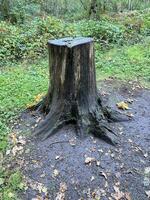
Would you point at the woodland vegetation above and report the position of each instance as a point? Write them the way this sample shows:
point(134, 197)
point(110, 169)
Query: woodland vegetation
point(121, 32)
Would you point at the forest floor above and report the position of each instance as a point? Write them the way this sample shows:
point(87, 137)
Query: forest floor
point(66, 167)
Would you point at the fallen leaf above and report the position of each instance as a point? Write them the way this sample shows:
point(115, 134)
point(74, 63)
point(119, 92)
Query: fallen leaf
point(130, 140)
point(106, 184)
point(37, 198)
point(147, 170)
point(55, 173)
point(148, 193)
point(72, 142)
point(129, 100)
point(127, 196)
point(16, 149)
point(92, 178)
point(97, 163)
point(129, 114)
point(103, 174)
point(57, 157)
point(100, 150)
point(146, 155)
point(89, 160)
point(21, 140)
point(41, 188)
point(122, 105)
point(118, 194)
point(36, 100)
point(14, 138)
point(61, 193)
point(63, 187)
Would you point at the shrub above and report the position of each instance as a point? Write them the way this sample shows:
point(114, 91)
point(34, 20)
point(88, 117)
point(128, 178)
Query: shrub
point(29, 40)
point(104, 32)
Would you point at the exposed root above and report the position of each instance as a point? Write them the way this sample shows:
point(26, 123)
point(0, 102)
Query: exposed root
point(95, 121)
point(58, 125)
point(113, 115)
point(105, 132)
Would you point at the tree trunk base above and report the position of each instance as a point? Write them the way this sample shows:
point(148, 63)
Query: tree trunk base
point(96, 121)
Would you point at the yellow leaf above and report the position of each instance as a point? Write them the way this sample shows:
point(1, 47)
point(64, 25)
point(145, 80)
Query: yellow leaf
point(14, 138)
point(39, 97)
point(122, 105)
point(36, 100)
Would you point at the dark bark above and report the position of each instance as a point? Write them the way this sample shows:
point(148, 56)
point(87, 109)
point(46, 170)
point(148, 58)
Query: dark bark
point(93, 11)
point(72, 96)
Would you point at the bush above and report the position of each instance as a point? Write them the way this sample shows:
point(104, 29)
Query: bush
point(104, 32)
point(29, 40)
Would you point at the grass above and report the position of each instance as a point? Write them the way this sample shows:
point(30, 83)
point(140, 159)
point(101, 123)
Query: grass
point(21, 83)
point(10, 182)
point(127, 63)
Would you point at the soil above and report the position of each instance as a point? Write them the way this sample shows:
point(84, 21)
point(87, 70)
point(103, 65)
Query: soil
point(67, 167)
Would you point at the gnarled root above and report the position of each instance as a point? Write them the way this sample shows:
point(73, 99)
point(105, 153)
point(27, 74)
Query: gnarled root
point(95, 121)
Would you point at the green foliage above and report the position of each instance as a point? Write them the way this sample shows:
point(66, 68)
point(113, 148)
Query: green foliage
point(128, 62)
point(15, 180)
point(13, 10)
point(104, 31)
point(19, 85)
point(10, 182)
point(26, 42)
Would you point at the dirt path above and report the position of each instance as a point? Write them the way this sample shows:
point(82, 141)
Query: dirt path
point(66, 167)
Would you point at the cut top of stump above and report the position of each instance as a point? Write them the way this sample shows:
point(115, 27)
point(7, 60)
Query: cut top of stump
point(70, 41)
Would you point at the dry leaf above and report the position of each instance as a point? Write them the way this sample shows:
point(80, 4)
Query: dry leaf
point(92, 178)
point(148, 193)
point(89, 160)
point(41, 188)
point(103, 174)
point(127, 195)
point(16, 149)
point(100, 150)
point(37, 198)
point(122, 105)
point(129, 114)
point(57, 157)
point(14, 138)
point(130, 100)
point(63, 187)
point(36, 100)
point(146, 155)
point(55, 173)
point(61, 193)
point(97, 163)
point(118, 194)
point(72, 142)
point(21, 140)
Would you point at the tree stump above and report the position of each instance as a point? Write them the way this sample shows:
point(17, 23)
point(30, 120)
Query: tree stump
point(72, 96)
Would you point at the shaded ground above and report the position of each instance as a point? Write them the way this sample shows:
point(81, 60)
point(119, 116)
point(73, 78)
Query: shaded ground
point(66, 167)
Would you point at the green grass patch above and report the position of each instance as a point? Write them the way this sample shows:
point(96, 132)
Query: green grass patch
point(127, 62)
point(19, 86)
point(9, 184)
